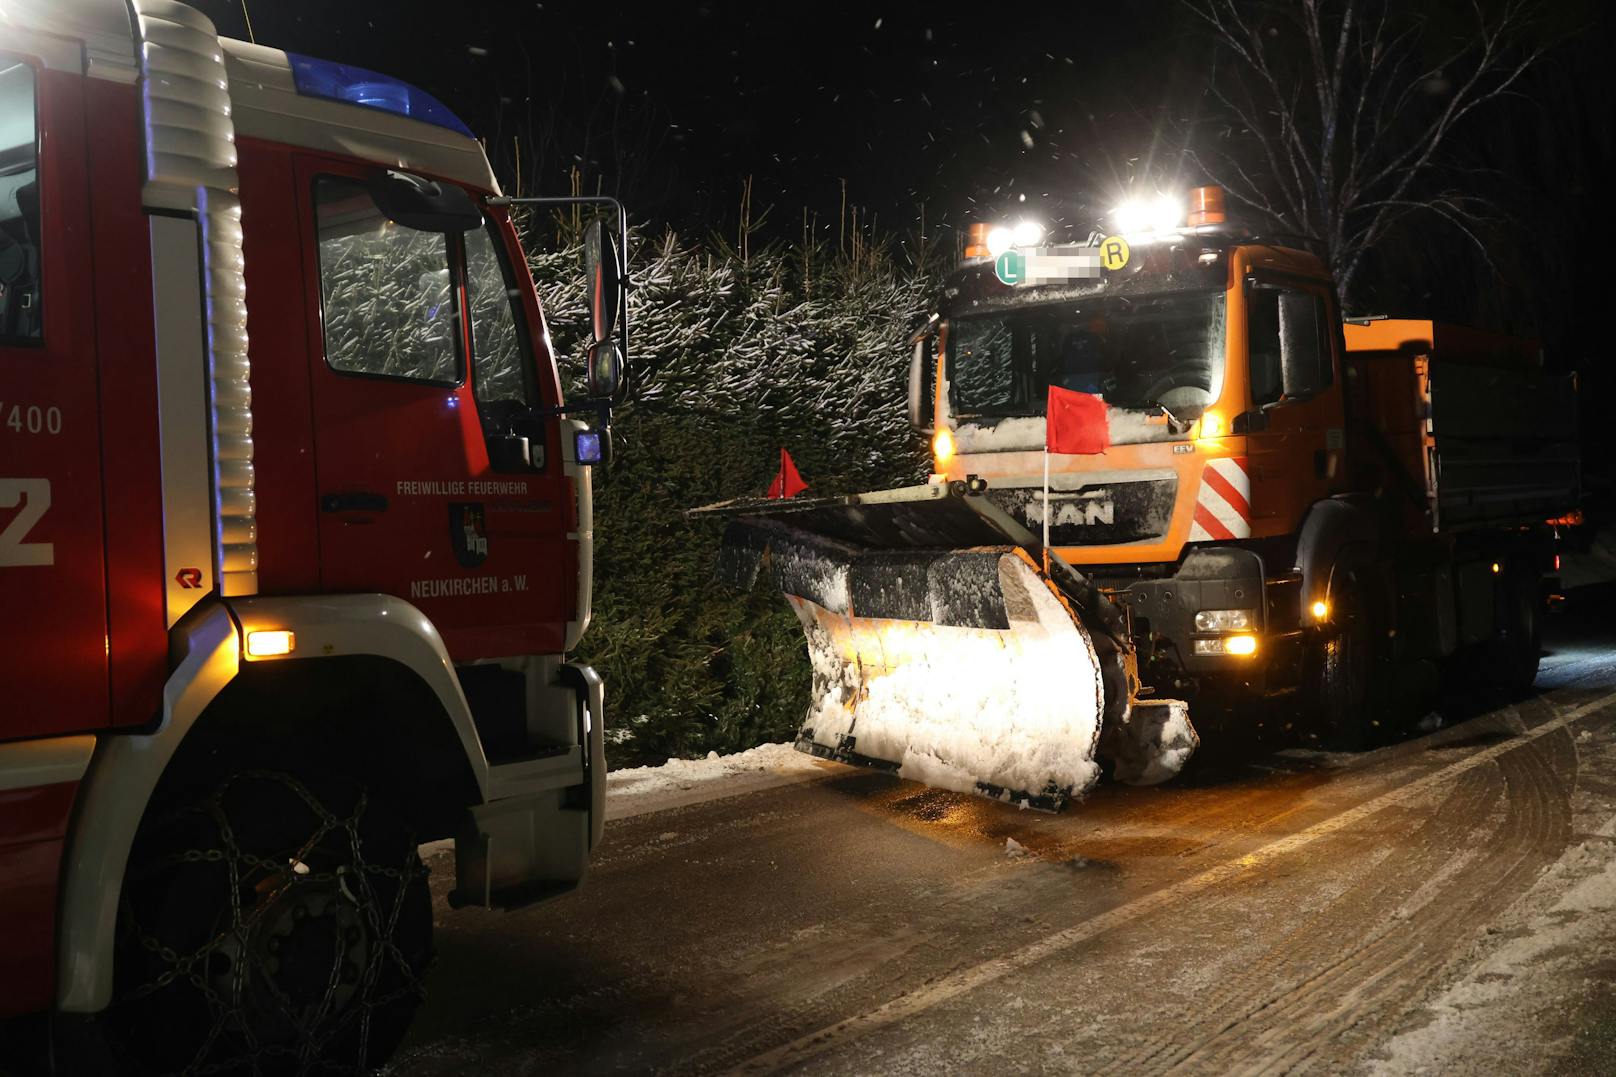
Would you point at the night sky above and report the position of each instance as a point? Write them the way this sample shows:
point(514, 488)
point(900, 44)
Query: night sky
point(1043, 110)
point(675, 105)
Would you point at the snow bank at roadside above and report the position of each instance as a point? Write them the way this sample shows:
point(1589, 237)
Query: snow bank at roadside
point(688, 781)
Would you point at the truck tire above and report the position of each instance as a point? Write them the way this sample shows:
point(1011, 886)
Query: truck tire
point(1518, 642)
point(1346, 676)
point(279, 924)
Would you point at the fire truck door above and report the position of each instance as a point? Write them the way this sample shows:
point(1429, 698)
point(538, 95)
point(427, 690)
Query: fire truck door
point(52, 577)
point(409, 503)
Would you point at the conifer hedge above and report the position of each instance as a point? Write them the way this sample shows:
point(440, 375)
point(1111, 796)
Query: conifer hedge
point(735, 357)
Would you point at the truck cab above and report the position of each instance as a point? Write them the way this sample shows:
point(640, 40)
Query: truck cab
point(1247, 502)
point(295, 541)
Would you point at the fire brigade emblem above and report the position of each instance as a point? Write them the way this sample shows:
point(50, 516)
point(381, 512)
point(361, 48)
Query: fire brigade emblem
point(468, 534)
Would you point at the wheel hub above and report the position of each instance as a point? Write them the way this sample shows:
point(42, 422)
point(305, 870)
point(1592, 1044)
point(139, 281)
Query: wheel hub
point(299, 953)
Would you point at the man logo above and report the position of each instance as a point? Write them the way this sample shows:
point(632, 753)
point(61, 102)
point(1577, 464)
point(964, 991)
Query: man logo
point(1068, 511)
point(468, 534)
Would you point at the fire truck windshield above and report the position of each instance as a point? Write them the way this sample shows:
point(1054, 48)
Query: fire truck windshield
point(1135, 351)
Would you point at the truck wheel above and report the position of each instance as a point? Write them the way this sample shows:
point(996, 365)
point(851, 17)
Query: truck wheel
point(1346, 681)
point(1519, 639)
point(278, 925)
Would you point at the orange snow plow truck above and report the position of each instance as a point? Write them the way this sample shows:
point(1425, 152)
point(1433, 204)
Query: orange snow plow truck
point(1278, 505)
point(295, 539)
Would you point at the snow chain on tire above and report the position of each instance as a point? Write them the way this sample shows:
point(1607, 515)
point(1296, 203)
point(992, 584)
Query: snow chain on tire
point(230, 971)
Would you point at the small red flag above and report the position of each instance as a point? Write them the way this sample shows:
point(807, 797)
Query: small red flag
point(787, 483)
point(1075, 423)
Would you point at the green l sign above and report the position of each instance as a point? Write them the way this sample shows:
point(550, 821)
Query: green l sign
point(1011, 267)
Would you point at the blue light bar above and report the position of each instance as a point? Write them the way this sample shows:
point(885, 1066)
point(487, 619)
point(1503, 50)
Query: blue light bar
point(588, 446)
point(356, 86)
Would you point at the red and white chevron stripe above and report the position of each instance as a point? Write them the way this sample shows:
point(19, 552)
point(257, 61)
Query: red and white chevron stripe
point(1223, 505)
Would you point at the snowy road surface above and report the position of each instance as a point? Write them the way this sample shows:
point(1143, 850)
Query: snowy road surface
point(1446, 904)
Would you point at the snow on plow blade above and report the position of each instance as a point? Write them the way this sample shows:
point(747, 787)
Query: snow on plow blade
point(1008, 705)
point(941, 650)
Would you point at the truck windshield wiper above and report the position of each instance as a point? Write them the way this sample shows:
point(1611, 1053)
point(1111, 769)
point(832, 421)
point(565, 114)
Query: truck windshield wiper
point(1174, 423)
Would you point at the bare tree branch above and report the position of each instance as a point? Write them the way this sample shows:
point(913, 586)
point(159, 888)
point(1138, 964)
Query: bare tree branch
point(1327, 117)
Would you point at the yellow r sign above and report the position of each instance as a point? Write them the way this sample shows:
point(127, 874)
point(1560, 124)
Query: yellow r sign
point(1113, 252)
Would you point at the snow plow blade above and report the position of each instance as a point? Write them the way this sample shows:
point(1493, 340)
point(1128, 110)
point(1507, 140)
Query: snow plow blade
point(942, 650)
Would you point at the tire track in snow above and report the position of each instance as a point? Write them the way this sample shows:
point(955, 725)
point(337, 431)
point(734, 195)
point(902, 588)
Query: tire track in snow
point(1293, 959)
point(792, 992)
point(1401, 959)
point(1301, 1014)
point(955, 984)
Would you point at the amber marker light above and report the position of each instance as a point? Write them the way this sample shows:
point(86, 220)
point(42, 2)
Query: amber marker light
point(1320, 610)
point(1213, 426)
point(976, 246)
point(942, 446)
point(1241, 645)
point(270, 643)
point(1206, 207)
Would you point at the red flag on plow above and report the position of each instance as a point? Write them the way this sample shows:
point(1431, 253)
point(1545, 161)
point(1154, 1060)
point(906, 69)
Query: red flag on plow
point(1076, 423)
point(787, 482)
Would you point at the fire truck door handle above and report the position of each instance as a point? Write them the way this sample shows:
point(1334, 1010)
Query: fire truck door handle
point(355, 501)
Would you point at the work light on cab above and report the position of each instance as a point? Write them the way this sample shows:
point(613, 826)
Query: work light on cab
point(991, 240)
point(1027, 233)
point(1163, 213)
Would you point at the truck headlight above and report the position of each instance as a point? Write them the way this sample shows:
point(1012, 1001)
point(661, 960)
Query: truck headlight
point(1243, 646)
point(1225, 620)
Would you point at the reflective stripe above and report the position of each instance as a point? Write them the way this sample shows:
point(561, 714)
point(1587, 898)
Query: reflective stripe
point(1207, 527)
point(1223, 502)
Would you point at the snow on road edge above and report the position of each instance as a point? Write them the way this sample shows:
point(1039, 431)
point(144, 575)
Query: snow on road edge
point(680, 782)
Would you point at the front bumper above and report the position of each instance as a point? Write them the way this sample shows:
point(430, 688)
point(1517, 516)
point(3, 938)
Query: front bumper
point(1162, 610)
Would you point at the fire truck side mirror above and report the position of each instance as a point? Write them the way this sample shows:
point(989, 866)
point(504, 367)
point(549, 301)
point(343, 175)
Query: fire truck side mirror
point(605, 369)
point(604, 279)
point(922, 387)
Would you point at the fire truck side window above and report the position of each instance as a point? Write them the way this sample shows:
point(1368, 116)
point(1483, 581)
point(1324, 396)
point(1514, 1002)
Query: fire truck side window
point(500, 370)
point(19, 206)
point(386, 294)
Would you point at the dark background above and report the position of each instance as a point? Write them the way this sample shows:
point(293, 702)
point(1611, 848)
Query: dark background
point(898, 117)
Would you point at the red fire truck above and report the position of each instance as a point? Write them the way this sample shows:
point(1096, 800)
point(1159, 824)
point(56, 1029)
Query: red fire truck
point(295, 537)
